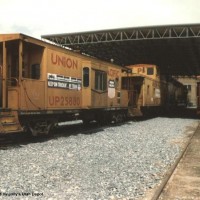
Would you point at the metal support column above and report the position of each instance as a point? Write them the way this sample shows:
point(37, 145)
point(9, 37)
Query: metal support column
point(20, 59)
point(4, 84)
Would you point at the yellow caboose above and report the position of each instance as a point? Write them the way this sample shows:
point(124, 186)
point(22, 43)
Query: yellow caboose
point(42, 84)
point(148, 92)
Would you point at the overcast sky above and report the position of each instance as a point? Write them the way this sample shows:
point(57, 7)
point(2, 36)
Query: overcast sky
point(40, 17)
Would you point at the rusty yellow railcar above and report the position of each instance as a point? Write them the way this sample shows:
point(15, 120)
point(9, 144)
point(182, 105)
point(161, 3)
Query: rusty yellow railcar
point(42, 84)
point(149, 92)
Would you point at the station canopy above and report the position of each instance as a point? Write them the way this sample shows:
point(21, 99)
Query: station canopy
point(174, 48)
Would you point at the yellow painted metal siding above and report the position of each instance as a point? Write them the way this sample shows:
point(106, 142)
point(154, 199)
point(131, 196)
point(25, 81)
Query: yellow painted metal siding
point(64, 80)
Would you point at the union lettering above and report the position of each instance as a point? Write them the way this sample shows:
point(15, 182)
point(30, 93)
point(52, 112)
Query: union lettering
point(64, 61)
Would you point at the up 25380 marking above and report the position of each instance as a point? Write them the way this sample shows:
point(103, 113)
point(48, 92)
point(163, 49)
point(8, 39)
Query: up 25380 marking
point(64, 101)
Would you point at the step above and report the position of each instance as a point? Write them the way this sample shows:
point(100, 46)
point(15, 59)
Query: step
point(9, 121)
point(6, 118)
point(11, 126)
point(6, 115)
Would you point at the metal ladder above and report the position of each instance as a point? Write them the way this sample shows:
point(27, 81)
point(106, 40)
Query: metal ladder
point(9, 122)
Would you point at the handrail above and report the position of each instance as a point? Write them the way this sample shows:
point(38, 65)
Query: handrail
point(11, 79)
point(1, 70)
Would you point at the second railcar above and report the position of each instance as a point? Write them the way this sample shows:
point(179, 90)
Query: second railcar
point(149, 92)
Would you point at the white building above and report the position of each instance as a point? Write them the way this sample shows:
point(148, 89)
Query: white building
point(191, 85)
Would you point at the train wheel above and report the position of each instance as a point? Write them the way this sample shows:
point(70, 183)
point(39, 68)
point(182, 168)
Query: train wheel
point(41, 128)
point(118, 117)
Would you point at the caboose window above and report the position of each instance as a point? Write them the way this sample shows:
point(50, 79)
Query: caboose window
point(86, 77)
point(150, 71)
point(100, 80)
point(35, 71)
point(189, 87)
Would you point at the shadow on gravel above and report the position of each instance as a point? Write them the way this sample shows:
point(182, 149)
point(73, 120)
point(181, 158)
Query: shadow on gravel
point(183, 113)
point(18, 140)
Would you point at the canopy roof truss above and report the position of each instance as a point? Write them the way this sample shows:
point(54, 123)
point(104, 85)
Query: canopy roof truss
point(175, 48)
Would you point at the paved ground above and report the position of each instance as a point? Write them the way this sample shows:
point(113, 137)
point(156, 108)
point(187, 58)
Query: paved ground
point(185, 182)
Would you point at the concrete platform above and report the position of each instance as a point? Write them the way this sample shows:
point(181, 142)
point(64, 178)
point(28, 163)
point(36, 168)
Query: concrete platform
point(185, 181)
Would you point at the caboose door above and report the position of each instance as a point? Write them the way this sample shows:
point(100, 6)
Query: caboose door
point(1, 79)
point(132, 96)
point(3, 82)
point(198, 96)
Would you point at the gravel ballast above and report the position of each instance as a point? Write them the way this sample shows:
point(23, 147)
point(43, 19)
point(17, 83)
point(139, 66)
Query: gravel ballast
point(120, 162)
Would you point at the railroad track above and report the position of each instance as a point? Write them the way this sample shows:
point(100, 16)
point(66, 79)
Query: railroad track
point(65, 129)
point(14, 140)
